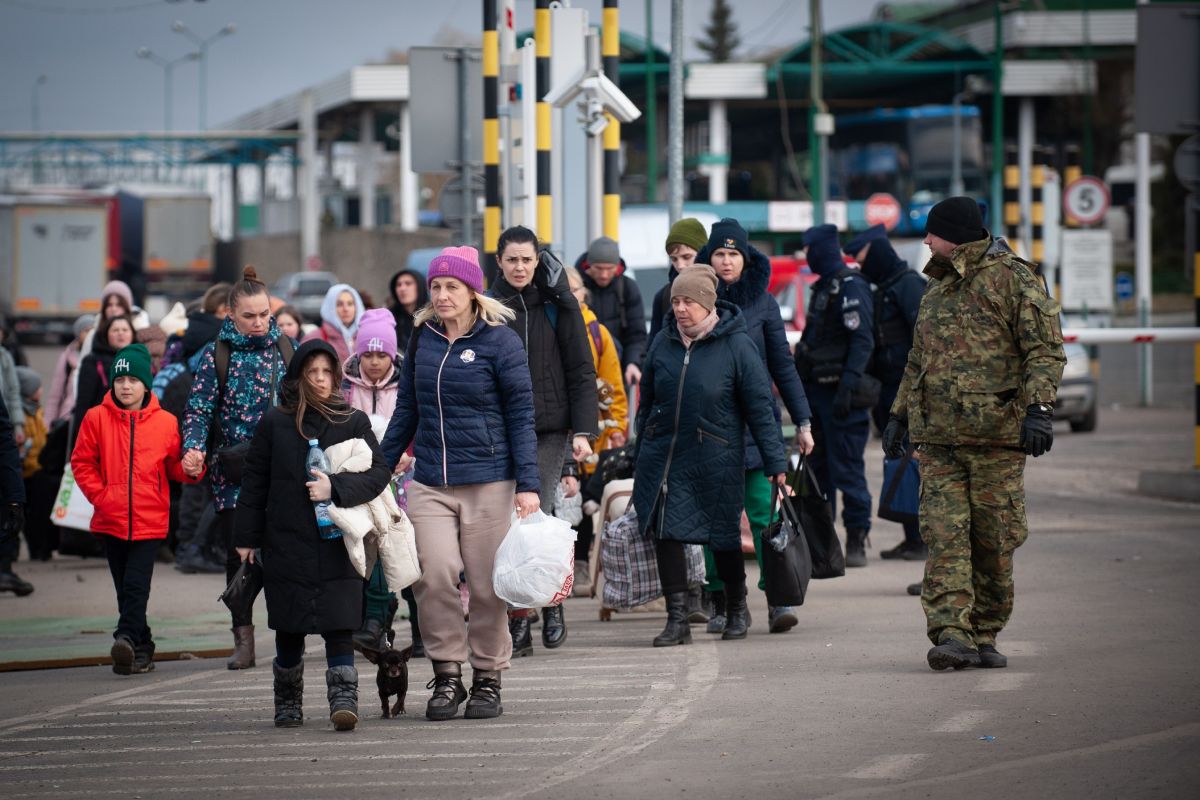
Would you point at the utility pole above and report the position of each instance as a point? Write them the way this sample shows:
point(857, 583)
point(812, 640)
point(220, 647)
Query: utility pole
point(675, 116)
point(651, 110)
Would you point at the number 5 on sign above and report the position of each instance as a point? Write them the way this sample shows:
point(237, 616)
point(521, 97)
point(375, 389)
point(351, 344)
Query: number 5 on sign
point(1086, 199)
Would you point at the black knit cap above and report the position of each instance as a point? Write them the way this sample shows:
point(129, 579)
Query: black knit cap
point(956, 219)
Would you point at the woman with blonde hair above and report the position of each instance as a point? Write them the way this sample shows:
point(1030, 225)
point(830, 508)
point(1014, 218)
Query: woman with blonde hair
point(466, 404)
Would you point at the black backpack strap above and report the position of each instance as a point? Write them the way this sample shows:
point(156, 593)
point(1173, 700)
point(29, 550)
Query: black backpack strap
point(286, 349)
point(221, 361)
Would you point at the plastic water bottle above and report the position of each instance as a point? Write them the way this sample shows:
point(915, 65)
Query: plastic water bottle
point(317, 462)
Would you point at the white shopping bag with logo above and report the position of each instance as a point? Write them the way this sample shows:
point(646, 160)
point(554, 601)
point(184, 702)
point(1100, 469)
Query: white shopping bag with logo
point(71, 508)
point(535, 564)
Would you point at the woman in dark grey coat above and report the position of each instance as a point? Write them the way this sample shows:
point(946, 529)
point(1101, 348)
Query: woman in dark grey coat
point(702, 387)
point(310, 583)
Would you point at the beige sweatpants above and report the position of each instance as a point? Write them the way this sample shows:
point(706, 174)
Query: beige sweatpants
point(458, 529)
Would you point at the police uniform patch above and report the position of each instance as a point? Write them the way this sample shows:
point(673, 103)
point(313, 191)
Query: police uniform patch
point(849, 302)
point(851, 320)
point(467, 356)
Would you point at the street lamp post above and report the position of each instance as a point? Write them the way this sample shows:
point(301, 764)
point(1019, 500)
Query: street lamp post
point(37, 85)
point(168, 68)
point(202, 43)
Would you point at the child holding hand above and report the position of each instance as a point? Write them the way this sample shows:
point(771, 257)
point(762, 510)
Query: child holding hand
point(127, 449)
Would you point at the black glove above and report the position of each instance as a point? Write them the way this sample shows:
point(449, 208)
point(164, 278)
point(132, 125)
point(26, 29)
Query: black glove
point(1037, 432)
point(841, 400)
point(893, 437)
point(12, 520)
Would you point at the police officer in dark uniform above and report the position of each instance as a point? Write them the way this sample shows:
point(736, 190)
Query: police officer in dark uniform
point(895, 301)
point(832, 359)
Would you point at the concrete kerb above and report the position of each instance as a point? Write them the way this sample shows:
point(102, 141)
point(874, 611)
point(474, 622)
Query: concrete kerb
point(1180, 485)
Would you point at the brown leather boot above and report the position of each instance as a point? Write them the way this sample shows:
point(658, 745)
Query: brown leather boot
point(243, 648)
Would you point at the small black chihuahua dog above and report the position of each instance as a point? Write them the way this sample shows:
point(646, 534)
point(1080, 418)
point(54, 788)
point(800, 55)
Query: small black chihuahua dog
point(392, 678)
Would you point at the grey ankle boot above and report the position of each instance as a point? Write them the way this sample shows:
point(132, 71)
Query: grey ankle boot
point(342, 690)
point(289, 695)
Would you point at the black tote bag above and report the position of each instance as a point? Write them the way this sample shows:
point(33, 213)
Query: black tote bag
point(816, 519)
point(787, 566)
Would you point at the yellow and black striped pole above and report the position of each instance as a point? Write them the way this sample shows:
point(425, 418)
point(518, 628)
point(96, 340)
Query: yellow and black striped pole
point(1012, 202)
point(610, 52)
point(491, 138)
point(1071, 172)
point(1037, 211)
point(541, 36)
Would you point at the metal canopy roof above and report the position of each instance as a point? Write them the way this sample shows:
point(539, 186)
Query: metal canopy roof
point(878, 58)
point(372, 83)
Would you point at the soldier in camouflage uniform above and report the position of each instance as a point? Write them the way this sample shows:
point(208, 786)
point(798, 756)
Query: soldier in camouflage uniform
point(976, 398)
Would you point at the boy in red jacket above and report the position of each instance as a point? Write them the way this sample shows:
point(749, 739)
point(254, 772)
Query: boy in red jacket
point(128, 448)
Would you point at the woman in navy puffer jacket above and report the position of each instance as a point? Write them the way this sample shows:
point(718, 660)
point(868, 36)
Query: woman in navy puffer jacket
point(466, 402)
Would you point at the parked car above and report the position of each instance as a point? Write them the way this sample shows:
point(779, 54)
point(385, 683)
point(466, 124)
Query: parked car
point(1076, 401)
point(305, 291)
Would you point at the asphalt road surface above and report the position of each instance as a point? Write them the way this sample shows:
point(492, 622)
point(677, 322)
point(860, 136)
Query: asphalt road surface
point(1100, 698)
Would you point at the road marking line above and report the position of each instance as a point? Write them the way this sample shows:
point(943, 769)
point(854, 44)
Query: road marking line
point(341, 756)
point(666, 707)
point(102, 699)
point(1001, 681)
point(888, 767)
point(962, 721)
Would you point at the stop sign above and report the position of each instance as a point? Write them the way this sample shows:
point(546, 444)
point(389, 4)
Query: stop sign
point(883, 209)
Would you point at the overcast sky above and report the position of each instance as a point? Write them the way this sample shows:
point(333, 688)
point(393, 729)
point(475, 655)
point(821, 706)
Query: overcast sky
point(94, 81)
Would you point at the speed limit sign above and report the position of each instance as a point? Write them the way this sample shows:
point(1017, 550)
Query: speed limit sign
point(1086, 199)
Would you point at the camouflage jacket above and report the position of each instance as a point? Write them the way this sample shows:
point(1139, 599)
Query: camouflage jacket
point(987, 344)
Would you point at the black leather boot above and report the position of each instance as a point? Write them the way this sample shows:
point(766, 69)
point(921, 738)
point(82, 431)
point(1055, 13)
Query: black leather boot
point(677, 631)
point(856, 543)
point(554, 627)
point(485, 696)
point(372, 637)
point(289, 695)
point(342, 691)
point(737, 613)
point(448, 691)
point(522, 639)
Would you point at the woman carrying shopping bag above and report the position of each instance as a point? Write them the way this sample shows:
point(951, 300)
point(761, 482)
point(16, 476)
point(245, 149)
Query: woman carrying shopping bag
point(702, 386)
point(466, 404)
point(309, 580)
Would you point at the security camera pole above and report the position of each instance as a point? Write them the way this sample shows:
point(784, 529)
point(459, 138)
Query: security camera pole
point(594, 122)
point(596, 95)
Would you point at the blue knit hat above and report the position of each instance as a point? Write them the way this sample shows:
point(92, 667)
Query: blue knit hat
point(824, 255)
point(729, 234)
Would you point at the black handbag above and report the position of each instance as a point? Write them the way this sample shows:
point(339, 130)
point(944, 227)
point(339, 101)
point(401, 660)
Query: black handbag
point(787, 565)
point(816, 519)
point(243, 589)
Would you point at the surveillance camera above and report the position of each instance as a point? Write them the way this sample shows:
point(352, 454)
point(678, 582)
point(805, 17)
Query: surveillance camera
point(596, 125)
point(594, 85)
point(614, 100)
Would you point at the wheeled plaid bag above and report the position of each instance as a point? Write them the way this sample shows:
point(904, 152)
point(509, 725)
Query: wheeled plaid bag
point(630, 566)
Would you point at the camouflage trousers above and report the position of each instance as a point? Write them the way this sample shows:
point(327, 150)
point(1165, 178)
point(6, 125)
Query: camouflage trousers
point(972, 518)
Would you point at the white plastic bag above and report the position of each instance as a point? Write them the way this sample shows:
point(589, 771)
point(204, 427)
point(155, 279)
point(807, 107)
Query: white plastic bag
point(535, 562)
